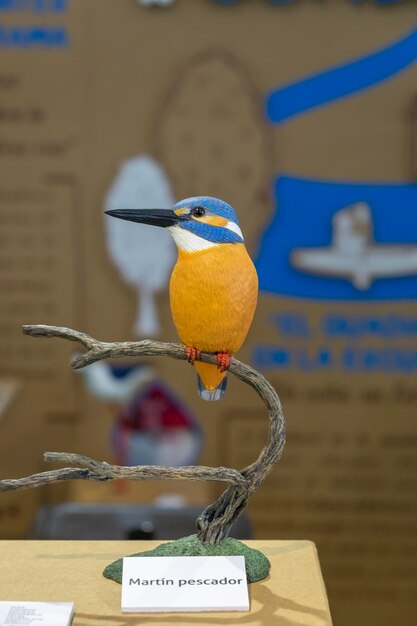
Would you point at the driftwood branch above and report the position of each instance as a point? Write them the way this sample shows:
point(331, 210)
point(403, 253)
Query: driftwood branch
point(215, 521)
point(101, 471)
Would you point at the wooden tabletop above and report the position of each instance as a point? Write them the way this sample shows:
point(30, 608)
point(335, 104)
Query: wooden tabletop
point(293, 594)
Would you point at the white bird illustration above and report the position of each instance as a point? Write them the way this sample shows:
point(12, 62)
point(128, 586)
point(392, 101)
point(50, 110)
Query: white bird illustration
point(154, 443)
point(354, 255)
point(101, 382)
point(144, 256)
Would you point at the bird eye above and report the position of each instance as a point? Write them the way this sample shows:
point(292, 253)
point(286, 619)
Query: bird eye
point(198, 211)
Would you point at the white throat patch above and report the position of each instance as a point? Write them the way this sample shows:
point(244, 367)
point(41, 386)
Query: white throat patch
point(188, 241)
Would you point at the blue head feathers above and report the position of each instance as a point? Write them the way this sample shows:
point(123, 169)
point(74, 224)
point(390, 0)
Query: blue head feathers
point(209, 218)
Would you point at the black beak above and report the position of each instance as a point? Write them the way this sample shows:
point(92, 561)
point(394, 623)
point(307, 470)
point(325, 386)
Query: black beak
point(154, 217)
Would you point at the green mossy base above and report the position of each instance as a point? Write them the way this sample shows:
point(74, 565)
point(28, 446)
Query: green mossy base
point(257, 565)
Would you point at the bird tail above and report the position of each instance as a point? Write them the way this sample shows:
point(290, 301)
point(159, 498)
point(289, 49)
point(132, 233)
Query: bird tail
point(211, 382)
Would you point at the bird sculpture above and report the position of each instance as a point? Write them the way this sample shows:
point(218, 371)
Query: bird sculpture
point(213, 286)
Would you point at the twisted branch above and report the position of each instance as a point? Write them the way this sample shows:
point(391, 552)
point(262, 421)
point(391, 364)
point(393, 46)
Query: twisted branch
point(102, 471)
point(215, 521)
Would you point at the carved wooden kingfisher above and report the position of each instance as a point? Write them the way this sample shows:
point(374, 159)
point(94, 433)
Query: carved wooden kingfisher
point(214, 285)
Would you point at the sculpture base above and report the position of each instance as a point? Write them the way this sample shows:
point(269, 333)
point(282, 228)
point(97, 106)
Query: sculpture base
point(257, 565)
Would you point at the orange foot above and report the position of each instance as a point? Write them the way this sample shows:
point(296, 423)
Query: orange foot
point(192, 354)
point(223, 361)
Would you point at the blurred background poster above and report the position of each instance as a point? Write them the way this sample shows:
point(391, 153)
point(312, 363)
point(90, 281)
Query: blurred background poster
point(303, 115)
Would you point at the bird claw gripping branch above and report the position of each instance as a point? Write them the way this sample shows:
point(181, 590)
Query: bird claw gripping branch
point(192, 354)
point(223, 361)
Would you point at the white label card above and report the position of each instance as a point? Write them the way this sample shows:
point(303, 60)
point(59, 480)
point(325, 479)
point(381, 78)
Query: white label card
point(184, 583)
point(37, 613)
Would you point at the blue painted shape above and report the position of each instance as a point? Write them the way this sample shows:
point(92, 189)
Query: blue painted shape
point(36, 6)
point(384, 1)
point(28, 37)
point(341, 81)
point(305, 209)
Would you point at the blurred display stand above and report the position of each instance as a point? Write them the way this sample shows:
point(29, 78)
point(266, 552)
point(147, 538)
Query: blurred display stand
point(293, 595)
point(73, 520)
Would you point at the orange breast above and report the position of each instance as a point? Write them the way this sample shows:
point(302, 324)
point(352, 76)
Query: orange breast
point(213, 296)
